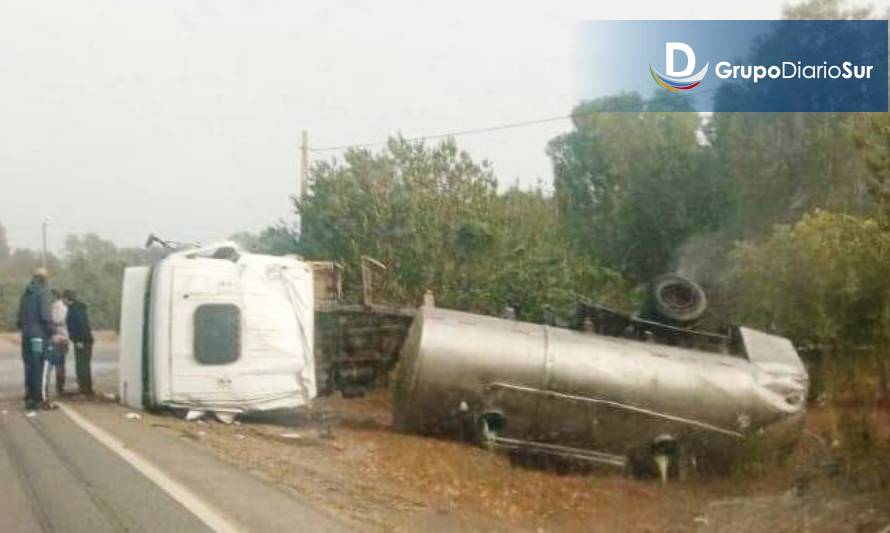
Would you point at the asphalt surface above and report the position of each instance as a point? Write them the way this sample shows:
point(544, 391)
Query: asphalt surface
point(12, 371)
point(55, 476)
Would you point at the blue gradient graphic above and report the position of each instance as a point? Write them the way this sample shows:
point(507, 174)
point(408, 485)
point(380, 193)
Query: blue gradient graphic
point(629, 56)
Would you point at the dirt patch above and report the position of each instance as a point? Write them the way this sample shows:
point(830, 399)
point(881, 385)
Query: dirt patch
point(351, 462)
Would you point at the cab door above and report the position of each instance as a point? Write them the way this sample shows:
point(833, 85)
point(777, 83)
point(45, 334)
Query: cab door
point(206, 331)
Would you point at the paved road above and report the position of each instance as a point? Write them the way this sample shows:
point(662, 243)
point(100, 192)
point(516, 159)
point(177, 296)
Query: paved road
point(55, 476)
point(12, 372)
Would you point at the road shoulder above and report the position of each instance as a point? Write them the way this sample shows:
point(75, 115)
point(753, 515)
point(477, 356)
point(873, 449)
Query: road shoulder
point(233, 493)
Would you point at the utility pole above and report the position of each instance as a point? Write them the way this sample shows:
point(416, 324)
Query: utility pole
point(43, 251)
point(304, 163)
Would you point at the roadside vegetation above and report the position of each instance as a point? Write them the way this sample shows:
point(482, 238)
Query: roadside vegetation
point(88, 264)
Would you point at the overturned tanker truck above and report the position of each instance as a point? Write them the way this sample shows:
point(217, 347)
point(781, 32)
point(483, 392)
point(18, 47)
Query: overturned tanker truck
point(218, 330)
point(641, 392)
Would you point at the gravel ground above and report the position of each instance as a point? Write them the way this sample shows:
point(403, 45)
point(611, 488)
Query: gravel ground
point(355, 464)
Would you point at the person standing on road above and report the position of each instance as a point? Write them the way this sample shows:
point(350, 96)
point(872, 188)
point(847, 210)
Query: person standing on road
point(59, 345)
point(35, 321)
point(81, 334)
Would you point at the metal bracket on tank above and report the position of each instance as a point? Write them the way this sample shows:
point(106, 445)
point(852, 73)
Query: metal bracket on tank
point(561, 451)
point(617, 405)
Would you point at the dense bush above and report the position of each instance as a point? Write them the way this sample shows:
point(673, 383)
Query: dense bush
point(824, 282)
point(436, 219)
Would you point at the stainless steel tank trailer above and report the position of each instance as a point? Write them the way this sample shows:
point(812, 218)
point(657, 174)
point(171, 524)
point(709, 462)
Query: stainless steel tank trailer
point(640, 392)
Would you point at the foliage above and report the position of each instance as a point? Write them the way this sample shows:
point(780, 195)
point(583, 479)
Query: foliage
point(523, 260)
point(4, 245)
point(824, 280)
point(90, 265)
point(825, 283)
point(434, 217)
point(280, 239)
point(872, 138)
point(782, 165)
point(632, 186)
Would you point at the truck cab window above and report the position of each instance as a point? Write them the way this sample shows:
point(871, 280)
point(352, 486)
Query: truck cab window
point(217, 334)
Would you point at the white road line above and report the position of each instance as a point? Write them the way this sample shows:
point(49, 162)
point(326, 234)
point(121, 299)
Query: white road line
point(213, 519)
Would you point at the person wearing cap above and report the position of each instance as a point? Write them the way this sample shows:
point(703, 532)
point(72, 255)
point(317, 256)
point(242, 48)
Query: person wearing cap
point(35, 321)
point(81, 334)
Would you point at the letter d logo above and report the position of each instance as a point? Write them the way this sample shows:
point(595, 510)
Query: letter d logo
point(674, 80)
point(669, 52)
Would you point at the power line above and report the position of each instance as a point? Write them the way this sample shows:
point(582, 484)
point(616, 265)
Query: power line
point(635, 106)
point(450, 134)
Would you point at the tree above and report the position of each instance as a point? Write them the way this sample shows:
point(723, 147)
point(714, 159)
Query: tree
point(435, 218)
point(402, 206)
point(94, 268)
point(824, 281)
point(633, 185)
point(783, 165)
point(872, 138)
point(4, 245)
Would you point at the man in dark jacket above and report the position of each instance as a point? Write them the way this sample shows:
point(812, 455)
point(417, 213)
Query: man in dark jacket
point(81, 334)
point(35, 320)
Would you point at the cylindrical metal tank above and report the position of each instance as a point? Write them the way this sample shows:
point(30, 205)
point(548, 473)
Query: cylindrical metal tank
point(552, 386)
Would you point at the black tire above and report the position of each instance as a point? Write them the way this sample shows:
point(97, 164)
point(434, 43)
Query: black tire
point(676, 299)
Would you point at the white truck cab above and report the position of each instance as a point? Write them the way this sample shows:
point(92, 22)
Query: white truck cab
point(216, 329)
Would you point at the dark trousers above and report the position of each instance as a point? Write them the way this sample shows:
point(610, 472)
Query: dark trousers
point(33, 371)
point(60, 376)
point(48, 368)
point(83, 354)
point(60, 371)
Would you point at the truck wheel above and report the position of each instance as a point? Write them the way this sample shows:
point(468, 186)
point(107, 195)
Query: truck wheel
point(677, 299)
point(490, 423)
point(668, 459)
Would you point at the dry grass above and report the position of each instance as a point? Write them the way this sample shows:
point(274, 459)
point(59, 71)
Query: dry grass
point(391, 481)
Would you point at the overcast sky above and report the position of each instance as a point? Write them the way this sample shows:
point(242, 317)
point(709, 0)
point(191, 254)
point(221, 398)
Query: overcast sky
point(182, 117)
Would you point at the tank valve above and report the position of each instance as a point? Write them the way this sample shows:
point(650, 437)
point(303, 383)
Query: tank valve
point(663, 462)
